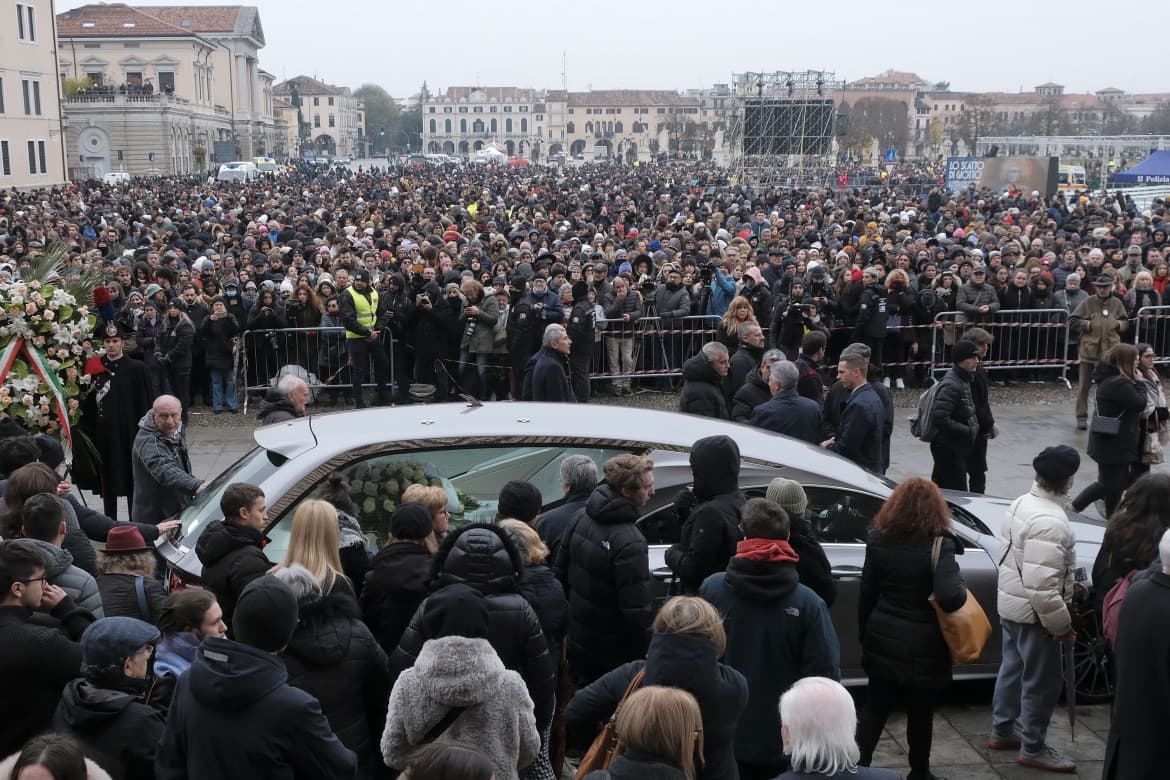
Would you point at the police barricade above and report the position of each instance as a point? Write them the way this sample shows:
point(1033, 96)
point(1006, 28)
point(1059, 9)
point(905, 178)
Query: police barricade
point(321, 352)
point(1151, 326)
point(1027, 342)
point(649, 346)
point(907, 351)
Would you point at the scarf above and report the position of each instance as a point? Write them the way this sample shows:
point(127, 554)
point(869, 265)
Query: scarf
point(771, 550)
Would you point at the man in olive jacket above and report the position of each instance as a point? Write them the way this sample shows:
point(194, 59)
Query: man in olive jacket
point(1100, 320)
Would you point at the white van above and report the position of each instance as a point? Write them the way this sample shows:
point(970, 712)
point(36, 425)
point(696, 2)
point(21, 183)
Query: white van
point(238, 171)
point(114, 178)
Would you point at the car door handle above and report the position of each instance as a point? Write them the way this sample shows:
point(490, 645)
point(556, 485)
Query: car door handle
point(846, 572)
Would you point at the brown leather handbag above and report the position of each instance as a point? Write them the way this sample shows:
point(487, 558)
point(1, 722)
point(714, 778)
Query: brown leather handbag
point(607, 746)
point(967, 629)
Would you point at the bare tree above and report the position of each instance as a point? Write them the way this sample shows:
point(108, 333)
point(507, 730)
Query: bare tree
point(878, 119)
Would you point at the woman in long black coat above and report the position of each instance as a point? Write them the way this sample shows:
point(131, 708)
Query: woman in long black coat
point(1120, 394)
point(902, 647)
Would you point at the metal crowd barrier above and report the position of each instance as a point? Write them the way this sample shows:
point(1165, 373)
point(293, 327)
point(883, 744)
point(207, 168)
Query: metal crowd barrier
point(322, 352)
point(1151, 326)
point(1026, 341)
point(650, 346)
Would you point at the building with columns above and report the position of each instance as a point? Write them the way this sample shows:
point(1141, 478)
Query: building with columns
point(32, 152)
point(463, 120)
point(164, 89)
point(335, 118)
point(627, 124)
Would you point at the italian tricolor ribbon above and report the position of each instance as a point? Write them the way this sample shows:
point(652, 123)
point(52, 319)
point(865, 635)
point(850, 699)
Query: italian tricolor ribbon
point(40, 366)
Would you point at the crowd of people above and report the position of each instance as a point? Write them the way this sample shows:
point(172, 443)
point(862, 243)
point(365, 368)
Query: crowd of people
point(506, 650)
point(522, 284)
point(447, 278)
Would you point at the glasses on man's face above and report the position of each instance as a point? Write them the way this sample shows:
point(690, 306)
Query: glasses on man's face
point(42, 579)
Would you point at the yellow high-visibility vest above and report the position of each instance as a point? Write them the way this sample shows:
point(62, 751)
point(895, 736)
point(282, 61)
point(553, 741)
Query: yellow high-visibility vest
point(367, 310)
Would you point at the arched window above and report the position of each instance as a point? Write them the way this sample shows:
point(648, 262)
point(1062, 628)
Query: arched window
point(523, 125)
point(588, 128)
point(463, 125)
point(617, 128)
point(447, 126)
point(494, 126)
point(570, 128)
point(434, 125)
point(477, 126)
point(508, 125)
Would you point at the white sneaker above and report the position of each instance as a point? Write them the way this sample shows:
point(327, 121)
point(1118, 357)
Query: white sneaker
point(900, 384)
point(886, 381)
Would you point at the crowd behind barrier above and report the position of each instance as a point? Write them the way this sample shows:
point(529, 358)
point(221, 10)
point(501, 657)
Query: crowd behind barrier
point(1032, 344)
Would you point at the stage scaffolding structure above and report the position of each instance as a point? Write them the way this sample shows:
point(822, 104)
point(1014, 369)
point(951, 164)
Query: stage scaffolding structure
point(782, 128)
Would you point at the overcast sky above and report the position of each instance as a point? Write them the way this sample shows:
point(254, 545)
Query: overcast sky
point(651, 44)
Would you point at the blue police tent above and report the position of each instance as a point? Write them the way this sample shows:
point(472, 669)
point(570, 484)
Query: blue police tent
point(1155, 169)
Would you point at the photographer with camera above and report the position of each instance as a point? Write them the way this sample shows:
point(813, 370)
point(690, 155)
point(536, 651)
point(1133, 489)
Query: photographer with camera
point(399, 317)
point(430, 329)
point(792, 317)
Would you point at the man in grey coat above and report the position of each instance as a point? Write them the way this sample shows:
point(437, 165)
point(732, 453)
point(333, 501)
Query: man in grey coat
point(163, 483)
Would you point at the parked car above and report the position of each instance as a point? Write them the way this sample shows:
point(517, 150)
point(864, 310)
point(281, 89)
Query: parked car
point(238, 171)
point(471, 451)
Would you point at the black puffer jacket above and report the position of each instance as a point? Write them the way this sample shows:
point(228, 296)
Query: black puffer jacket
point(1117, 396)
point(217, 337)
point(396, 585)
point(677, 661)
point(333, 656)
point(702, 391)
point(813, 567)
point(604, 565)
point(232, 557)
point(710, 533)
point(901, 642)
point(953, 414)
point(115, 728)
point(483, 557)
point(754, 392)
point(545, 593)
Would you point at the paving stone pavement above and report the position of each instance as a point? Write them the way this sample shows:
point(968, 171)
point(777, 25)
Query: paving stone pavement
point(959, 750)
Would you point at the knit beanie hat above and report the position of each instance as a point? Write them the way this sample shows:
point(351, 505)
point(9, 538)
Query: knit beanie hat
point(411, 521)
point(520, 500)
point(789, 494)
point(266, 615)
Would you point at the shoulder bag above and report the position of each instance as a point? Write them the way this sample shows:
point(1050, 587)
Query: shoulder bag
point(1104, 425)
point(143, 603)
point(965, 630)
point(606, 746)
